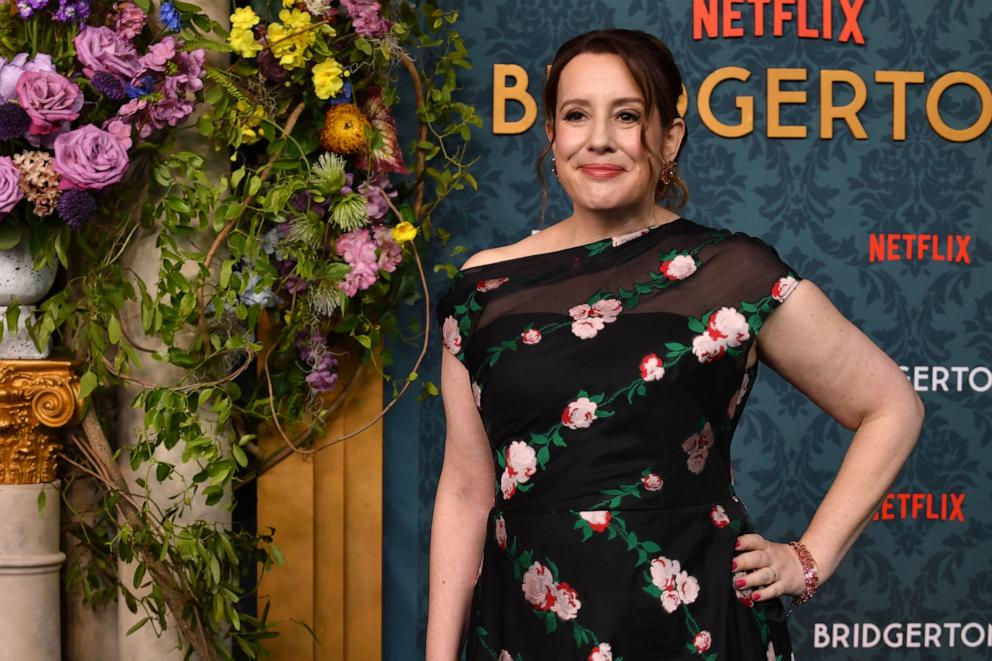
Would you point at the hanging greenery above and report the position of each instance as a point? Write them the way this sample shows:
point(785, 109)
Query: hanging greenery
point(310, 238)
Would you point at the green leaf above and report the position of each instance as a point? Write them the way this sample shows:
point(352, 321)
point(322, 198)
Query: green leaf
point(137, 625)
point(87, 384)
point(42, 499)
point(114, 330)
point(13, 314)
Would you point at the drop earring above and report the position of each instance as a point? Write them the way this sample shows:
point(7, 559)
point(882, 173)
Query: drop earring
point(668, 172)
point(554, 169)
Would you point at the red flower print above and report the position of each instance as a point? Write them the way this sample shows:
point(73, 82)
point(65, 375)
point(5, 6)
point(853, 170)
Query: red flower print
point(743, 596)
point(708, 349)
point(652, 482)
point(730, 325)
point(698, 447)
point(676, 586)
point(477, 394)
point(783, 287)
point(539, 587)
point(521, 463)
point(588, 320)
point(451, 338)
point(652, 368)
point(599, 520)
point(719, 516)
point(490, 284)
point(501, 533)
point(567, 603)
point(579, 414)
point(504, 656)
point(701, 641)
point(679, 267)
point(624, 238)
point(602, 652)
point(530, 336)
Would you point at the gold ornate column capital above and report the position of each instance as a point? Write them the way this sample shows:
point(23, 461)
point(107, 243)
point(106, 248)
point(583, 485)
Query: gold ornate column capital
point(37, 397)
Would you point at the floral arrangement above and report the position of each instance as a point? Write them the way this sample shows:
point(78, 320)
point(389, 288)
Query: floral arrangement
point(79, 93)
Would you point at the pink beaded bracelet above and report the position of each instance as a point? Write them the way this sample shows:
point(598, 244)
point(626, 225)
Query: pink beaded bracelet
point(809, 574)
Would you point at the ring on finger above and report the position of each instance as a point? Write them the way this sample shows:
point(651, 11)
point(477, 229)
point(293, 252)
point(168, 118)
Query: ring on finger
point(774, 573)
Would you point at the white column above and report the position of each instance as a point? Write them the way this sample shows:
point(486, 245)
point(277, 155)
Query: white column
point(30, 561)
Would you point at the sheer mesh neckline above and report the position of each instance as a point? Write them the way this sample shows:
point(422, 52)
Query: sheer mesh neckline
point(651, 230)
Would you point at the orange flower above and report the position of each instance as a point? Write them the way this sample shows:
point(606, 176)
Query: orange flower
point(344, 129)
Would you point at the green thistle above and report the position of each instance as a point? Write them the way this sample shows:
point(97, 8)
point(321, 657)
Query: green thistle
point(351, 212)
point(327, 175)
point(306, 229)
point(325, 298)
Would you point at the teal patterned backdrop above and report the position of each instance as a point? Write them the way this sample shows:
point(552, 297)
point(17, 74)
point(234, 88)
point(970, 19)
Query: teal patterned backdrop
point(819, 202)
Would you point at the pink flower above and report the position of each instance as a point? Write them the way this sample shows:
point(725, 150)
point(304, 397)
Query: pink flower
point(676, 586)
point(708, 349)
point(10, 190)
point(390, 252)
point(719, 516)
point(730, 325)
point(530, 336)
point(783, 287)
point(501, 533)
point(89, 158)
point(477, 394)
point(504, 656)
point(679, 267)
point(652, 482)
point(359, 250)
point(158, 55)
point(567, 604)
point(624, 238)
point(365, 18)
point(507, 485)
point(702, 641)
point(738, 397)
point(588, 320)
point(770, 652)
point(130, 20)
point(50, 100)
point(168, 112)
point(539, 587)
point(599, 520)
point(490, 284)
point(698, 448)
point(451, 338)
point(579, 414)
point(602, 652)
point(102, 49)
point(521, 460)
point(652, 368)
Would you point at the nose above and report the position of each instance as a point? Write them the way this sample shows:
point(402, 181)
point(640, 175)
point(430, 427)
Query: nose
point(601, 137)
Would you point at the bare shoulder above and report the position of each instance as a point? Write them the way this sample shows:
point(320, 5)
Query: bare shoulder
point(539, 242)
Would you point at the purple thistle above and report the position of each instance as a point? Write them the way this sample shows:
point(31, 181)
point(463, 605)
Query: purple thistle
point(75, 207)
point(270, 67)
point(109, 85)
point(14, 121)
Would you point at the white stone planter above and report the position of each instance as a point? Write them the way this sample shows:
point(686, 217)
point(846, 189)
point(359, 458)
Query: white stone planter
point(20, 283)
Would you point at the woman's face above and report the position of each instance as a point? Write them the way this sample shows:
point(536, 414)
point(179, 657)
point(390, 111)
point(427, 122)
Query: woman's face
point(597, 146)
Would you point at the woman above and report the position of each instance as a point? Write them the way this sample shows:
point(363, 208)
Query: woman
point(593, 378)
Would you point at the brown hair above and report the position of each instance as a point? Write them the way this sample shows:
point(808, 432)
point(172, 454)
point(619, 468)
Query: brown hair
point(657, 76)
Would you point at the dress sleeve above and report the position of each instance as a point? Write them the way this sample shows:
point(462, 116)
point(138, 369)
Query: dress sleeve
point(457, 314)
point(766, 281)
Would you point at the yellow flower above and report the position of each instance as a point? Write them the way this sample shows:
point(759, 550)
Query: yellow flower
point(404, 232)
point(243, 42)
point(327, 80)
point(248, 118)
point(344, 129)
point(244, 18)
point(288, 4)
point(290, 39)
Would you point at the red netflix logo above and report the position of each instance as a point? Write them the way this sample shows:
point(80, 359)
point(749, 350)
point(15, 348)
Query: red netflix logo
point(931, 247)
point(724, 18)
point(919, 505)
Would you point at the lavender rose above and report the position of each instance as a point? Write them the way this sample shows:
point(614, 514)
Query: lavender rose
point(10, 190)
point(50, 99)
point(89, 158)
point(102, 49)
point(11, 71)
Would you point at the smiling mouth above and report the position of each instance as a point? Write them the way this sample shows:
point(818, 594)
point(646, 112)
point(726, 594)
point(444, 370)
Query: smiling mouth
point(602, 171)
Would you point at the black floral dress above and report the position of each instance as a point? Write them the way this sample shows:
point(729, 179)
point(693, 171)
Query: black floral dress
point(610, 378)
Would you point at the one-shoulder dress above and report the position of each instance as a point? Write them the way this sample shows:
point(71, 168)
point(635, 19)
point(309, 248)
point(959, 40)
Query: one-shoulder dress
point(610, 378)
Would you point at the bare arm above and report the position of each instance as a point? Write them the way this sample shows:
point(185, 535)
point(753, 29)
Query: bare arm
point(827, 358)
point(465, 494)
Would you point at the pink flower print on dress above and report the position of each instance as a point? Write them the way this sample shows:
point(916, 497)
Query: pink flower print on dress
point(783, 287)
point(530, 336)
point(588, 320)
point(719, 516)
point(707, 348)
point(539, 587)
point(452, 339)
point(567, 603)
point(504, 656)
point(698, 448)
point(521, 463)
point(490, 284)
point(676, 586)
point(599, 520)
point(624, 238)
point(477, 394)
point(770, 652)
point(652, 482)
point(652, 368)
point(729, 325)
point(579, 414)
point(679, 267)
point(743, 596)
point(738, 397)
point(501, 533)
point(702, 641)
point(602, 652)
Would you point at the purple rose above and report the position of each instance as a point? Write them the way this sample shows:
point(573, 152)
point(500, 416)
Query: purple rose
point(102, 49)
point(10, 189)
point(10, 72)
point(50, 99)
point(89, 158)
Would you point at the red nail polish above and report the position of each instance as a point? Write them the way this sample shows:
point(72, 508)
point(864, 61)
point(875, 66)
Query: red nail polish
point(740, 582)
point(733, 564)
point(755, 596)
point(737, 544)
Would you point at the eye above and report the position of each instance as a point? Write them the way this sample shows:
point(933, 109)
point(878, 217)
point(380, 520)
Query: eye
point(572, 115)
point(629, 116)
